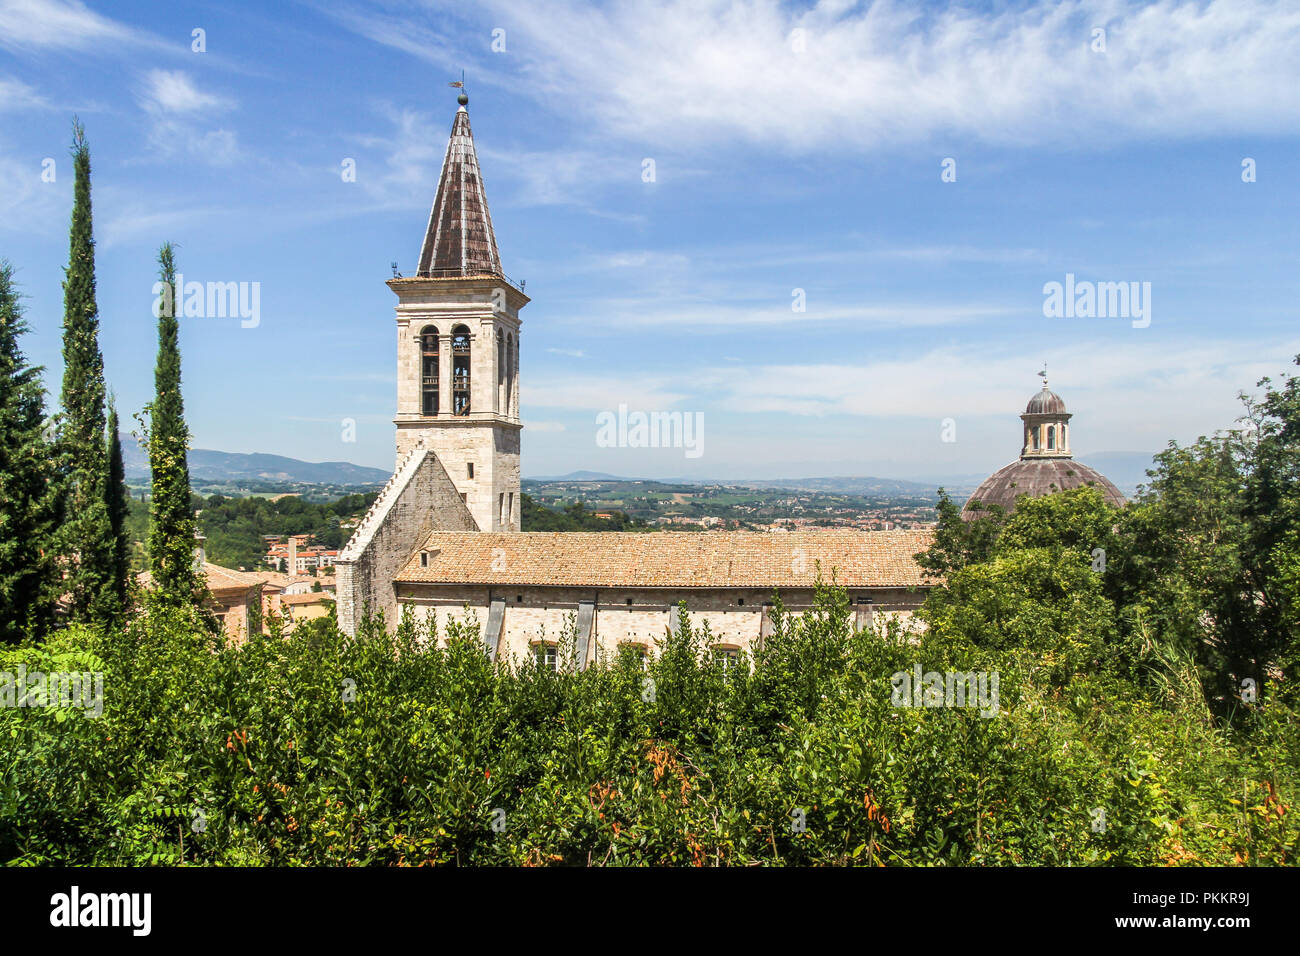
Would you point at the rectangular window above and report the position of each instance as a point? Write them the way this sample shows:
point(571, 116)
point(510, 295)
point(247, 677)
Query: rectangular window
point(546, 656)
point(510, 511)
point(470, 468)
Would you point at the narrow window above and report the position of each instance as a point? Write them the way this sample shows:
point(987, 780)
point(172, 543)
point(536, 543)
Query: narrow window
point(1051, 437)
point(510, 508)
point(460, 357)
point(728, 657)
point(424, 559)
point(1035, 438)
point(470, 468)
point(546, 656)
point(429, 370)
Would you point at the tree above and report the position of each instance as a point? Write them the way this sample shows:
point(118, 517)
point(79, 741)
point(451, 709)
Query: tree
point(172, 525)
point(29, 501)
point(118, 511)
point(88, 546)
point(958, 541)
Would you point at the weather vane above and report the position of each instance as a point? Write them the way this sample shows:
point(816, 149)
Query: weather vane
point(460, 85)
point(1043, 374)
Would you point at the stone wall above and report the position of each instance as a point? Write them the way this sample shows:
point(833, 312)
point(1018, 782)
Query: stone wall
point(735, 617)
point(419, 498)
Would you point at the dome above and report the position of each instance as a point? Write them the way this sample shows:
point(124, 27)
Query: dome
point(1046, 402)
point(1038, 476)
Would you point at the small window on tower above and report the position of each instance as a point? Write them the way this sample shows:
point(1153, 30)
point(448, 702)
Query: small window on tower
point(429, 370)
point(470, 468)
point(1051, 436)
point(460, 364)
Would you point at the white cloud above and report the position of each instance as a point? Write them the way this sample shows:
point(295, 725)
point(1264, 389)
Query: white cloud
point(721, 313)
point(30, 25)
point(182, 117)
point(696, 72)
point(173, 91)
point(596, 393)
point(17, 95)
point(1183, 390)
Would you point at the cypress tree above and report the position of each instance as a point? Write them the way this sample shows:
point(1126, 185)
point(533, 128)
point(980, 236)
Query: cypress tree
point(117, 511)
point(88, 540)
point(29, 514)
point(171, 525)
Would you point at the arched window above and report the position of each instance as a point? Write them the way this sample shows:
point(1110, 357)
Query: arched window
point(501, 372)
point(1034, 429)
point(510, 375)
point(460, 370)
point(1051, 437)
point(429, 370)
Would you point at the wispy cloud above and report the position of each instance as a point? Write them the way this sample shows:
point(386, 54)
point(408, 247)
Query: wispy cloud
point(17, 95)
point(848, 76)
point(174, 91)
point(33, 25)
point(183, 121)
point(599, 392)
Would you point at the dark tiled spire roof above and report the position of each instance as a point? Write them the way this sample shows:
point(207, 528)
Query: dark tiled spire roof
point(459, 240)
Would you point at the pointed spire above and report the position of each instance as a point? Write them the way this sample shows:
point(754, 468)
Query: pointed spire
point(460, 240)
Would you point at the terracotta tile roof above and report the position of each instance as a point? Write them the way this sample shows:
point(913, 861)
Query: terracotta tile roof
point(220, 580)
point(671, 559)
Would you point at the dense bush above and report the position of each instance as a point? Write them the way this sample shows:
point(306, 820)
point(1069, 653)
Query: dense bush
point(406, 749)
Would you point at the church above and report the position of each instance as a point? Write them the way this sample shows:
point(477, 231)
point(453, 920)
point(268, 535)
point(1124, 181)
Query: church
point(1045, 464)
point(444, 538)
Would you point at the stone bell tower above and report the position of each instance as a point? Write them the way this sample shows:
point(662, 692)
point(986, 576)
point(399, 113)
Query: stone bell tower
point(458, 345)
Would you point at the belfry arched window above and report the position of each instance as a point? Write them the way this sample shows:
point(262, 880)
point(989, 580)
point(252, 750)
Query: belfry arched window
point(1034, 429)
point(510, 374)
point(1051, 437)
point(501, 372)
point(460, 357)
point(429, 370)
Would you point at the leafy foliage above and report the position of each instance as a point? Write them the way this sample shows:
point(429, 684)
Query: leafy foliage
point(413, 748)
point(171, 525)
point(88, 547)
point(29, 503)
point(573, 517)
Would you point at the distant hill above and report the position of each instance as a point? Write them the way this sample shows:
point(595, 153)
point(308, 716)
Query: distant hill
point(220, 466)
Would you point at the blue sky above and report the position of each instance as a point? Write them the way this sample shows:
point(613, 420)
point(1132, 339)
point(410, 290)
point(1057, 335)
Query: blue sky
point(795, 146)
